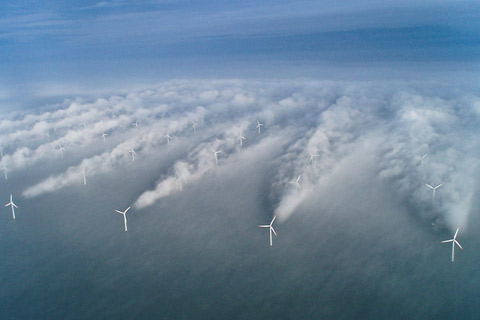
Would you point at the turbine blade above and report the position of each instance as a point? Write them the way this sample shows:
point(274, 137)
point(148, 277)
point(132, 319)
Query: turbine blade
point(458, 244)
point(430, 186)
point(127, 210)
point(13, 204)
point(456, 232)
point(271, 228)
point(275, 217)
point(264, 226)
point(445, 241)
point(117, 211)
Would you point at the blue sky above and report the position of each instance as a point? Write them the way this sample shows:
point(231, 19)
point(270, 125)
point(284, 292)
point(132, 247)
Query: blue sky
point(62, 48)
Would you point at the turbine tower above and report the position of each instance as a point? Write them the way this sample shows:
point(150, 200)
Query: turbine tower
point(13, 205)
point(84, 176)
point(270, 226)
point(124, 214)
point(454, 241)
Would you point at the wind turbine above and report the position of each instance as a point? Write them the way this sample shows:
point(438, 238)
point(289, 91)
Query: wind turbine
point(259, 125)
point(13, 205)
point(179, 180)
point(5, 170)
point(312, 156)
point(270, 226)
point(454, 241)
point(215, 153)
point(241, 138)
point(135, 124)
point(423, 158)
point(434, 189)
point(61, 149)
point(296, 182)
point(124, 213)
point(168, 138)
point(194, 126)
point(104, 135)
point(133, 153)
point(84, 177)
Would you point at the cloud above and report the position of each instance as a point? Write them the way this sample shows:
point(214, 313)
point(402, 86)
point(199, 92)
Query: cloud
point(381, 131)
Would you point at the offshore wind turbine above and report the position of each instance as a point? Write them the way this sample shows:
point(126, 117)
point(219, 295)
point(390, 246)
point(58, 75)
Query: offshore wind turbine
point(133, 153)
point(104, 135)
point(454, 241)
point(296, 182)
point(168, 138)
point(124, 214)
point(179, 180)
point(5, 170)
point(13, 205)
point(241, 138)
point(312, 156)
point(135, 124)
point(215, 155)
point(423, 158)
point(434, 189)
point(61, 149)
point(270, 226)
point(259, 125)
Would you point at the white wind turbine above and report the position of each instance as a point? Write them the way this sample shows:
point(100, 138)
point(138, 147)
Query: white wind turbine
point(5, 170)
point(434, 189)
point(124, 213)
point(133, 153)
point(13, 205)
point(135, 124)
point(296, 182)
point(270, 226)
point(423, 158)
point(179, 180)
point(215, 155)
point(241, 138)
point(168, 138)
point(259, 125)
point(84, 176)
point(61, 149)
point(104, 135)
point(312, 156)
point(454, 241)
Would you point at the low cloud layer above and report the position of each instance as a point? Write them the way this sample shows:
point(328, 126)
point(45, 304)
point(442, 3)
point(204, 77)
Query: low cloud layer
point(406, 135)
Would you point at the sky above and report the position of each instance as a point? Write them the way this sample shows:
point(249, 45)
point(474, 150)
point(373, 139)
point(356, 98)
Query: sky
point(210, 118)
point(55, 48)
